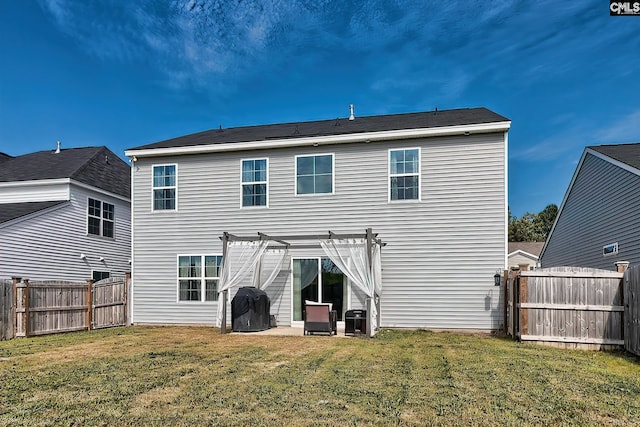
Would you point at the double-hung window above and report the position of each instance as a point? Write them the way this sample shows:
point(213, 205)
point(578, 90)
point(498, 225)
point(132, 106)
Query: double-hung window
point(198, 277)
point(314, 174)
point(164, 187)
point(100, 218)
point(254, 182)
point(404, 174)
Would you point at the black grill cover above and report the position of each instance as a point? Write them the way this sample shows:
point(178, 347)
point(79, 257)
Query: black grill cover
point(250, 310)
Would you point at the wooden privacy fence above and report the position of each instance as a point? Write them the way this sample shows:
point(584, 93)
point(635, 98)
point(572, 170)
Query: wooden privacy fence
point(632, 310)
point(51, 307)
point(566, 306)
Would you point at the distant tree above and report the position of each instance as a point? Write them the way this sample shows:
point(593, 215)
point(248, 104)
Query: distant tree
point(532, 227)
point(544, 221)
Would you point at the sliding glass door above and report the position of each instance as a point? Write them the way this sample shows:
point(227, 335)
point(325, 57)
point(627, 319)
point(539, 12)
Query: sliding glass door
point(319, 280)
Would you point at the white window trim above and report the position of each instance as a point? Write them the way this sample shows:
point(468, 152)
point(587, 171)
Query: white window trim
point(101, 235)
point(254, 182)
point(203, 278)
point(390, 175)
point(333, 175)
point(175, 209)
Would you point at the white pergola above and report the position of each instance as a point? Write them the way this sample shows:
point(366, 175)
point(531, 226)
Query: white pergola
point(356, 255)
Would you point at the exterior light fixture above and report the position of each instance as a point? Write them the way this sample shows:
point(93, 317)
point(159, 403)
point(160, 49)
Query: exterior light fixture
point(83, 256)
point(497, 279)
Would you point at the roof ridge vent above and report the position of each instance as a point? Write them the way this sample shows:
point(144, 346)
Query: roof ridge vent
point(351, 115)
point(58, 148)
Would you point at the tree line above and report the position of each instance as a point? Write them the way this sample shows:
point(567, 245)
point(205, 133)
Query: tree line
point(532, 227)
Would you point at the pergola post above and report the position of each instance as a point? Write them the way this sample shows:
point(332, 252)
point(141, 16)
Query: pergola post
point(370, 300)
point(223, 326)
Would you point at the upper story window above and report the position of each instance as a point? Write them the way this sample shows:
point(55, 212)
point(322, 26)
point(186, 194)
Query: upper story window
point(404, 174)
point(164, 187)
point(254, 182)
point(198, 277)
point(314, 174)
point(101, 218)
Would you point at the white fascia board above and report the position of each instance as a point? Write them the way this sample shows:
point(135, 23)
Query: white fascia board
point(324, 140)
point(615, 162)
point(34, 183)
point(521, 252)
point(99, 190)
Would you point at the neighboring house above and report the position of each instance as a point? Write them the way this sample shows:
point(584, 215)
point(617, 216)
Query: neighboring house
point(431, 184)
point(65, 215)
point(598, 222)
point(524, 253)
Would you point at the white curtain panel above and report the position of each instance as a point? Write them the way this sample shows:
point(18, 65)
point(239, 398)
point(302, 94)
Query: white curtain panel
point(241, 259)
point(270, 267)
point(350, 255)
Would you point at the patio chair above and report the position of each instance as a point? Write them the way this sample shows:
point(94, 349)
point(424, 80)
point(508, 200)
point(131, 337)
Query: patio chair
point(319, 318)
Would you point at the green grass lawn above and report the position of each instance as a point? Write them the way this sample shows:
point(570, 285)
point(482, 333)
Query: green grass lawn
point(195, 376)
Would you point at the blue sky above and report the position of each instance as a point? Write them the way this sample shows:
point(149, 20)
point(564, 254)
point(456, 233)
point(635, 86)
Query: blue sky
point(123, 74)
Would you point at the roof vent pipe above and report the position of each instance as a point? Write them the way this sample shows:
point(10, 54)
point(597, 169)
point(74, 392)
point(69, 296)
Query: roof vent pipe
point(351, 116)
point(58, 149)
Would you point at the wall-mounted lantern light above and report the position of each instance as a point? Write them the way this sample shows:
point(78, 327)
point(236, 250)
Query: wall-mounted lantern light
point(497, 279)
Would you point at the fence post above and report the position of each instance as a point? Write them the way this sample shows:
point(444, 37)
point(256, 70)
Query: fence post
point(506, 300)
point(14, 303)
point(89, 303)
point(524, 313)
point(25, 304)
point(127, 281)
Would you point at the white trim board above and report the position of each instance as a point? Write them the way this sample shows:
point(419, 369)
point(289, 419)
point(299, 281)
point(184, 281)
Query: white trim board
point(323, 140)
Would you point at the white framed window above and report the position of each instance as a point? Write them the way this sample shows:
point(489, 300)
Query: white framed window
point(198, 277)
point(100, 218)
point(255, 182)
point(404, 174)
point(611, 249)
point(165, 178)
point(314, 174)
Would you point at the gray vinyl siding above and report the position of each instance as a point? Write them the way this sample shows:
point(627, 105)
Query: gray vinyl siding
point(603, 207)
point(47, 245)
point(441, 253)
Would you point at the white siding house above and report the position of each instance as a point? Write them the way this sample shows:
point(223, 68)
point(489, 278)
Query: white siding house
point(432, 185)
point(65, 215)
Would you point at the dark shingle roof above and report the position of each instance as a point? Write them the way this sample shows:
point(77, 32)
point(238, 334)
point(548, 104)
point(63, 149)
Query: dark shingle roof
point(96, 166)
point(625, 153)
point(533, 248)
point(4, 156)
point(429, 119)
point(9, 211)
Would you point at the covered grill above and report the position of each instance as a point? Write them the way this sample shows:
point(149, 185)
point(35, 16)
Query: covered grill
point(250, 309)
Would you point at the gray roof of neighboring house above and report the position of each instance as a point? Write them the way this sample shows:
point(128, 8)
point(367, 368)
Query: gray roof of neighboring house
point(533, 248)
point(625, 153)
point(4, 156)
point(339, 126)
point(95, 166)
point(9, 211)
